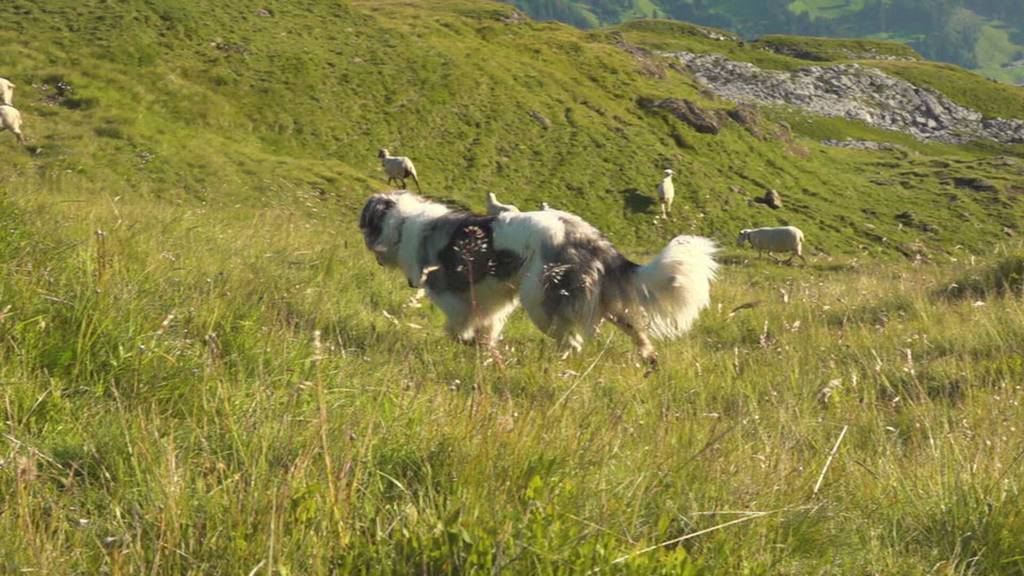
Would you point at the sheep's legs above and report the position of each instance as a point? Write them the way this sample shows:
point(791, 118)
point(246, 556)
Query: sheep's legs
point(789, 262)
point(664, 213)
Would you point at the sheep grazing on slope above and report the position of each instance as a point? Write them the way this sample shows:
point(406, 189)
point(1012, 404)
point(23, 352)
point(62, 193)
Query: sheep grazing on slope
point(494, 207)
point(782, 239)
point(7, 91)
point(10, 119)
point(398, 168)
point(666, 193)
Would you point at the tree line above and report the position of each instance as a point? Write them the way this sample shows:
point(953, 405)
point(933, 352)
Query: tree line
point(946, 30)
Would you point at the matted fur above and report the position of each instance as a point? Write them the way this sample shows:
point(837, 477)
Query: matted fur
point(566, 274)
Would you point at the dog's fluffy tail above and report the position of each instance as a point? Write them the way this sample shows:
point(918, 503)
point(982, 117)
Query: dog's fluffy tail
point(674, 287)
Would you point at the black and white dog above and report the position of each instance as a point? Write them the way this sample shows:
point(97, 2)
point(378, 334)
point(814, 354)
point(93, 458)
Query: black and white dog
point(566, 274)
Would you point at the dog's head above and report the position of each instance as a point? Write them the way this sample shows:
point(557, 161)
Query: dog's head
point(382, 153)
point(380, 224)
point(744, 235)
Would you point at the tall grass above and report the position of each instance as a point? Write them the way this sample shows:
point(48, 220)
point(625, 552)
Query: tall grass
point(202, 371)
point(189, 393)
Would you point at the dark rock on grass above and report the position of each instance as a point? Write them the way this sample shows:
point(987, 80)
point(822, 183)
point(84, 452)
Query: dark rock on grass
point(771, 199)
point(974, 183)
point(907, 218)
point(747, 116)
point(701, 120)
point(540, 119)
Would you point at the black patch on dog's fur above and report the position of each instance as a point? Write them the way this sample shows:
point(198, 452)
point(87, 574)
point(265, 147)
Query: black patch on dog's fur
point(371, 221)
point(584, 265)
point(469, 257)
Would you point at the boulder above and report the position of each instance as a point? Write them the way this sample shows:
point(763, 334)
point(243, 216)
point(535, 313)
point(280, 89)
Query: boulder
point(771, 199)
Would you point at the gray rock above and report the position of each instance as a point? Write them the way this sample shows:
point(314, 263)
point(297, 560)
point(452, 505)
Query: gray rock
point(855, 92)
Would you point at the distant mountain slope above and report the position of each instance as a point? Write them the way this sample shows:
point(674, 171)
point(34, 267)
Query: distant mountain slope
point(983, 35)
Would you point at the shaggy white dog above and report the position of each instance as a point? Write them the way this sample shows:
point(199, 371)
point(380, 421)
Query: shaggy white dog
point(565, 273)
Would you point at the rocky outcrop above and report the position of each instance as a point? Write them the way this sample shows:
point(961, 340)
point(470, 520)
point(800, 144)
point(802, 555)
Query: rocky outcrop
point(853, 92)
point(861, 144)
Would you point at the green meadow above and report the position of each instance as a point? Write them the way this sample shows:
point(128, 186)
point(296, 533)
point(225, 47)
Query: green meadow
point(202, 370)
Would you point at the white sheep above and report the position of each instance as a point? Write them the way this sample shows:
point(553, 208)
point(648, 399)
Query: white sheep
point(666, 193)
point(10, 119)
point(494, 207)
point(781, 239)
point(397, 168)
point(7, 91)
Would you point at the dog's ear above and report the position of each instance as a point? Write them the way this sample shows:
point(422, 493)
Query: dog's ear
point(371, 221)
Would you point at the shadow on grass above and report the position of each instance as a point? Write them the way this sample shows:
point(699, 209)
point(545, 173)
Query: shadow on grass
point(634, 201)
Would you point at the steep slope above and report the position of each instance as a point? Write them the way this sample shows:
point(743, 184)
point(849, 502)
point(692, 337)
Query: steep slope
point(245, 103)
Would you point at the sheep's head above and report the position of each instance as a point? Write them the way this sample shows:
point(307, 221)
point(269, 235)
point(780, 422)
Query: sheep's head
point(379, 226)
point(6, 91)
point(743, 237)
point(382, 153)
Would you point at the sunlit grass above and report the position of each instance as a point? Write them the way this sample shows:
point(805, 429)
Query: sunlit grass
point(202, 371)
point(187, 393)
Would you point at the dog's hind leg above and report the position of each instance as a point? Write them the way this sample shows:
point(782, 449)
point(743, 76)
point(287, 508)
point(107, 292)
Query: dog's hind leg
point(640, 339)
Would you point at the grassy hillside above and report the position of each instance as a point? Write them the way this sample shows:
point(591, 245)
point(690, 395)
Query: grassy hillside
point(202, 371)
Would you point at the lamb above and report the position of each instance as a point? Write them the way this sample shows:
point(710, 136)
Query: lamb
point(494, 207)
point(781, 239)
point(10, 119)
point(397, 168)
point(7, 91)
point(666, 193)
